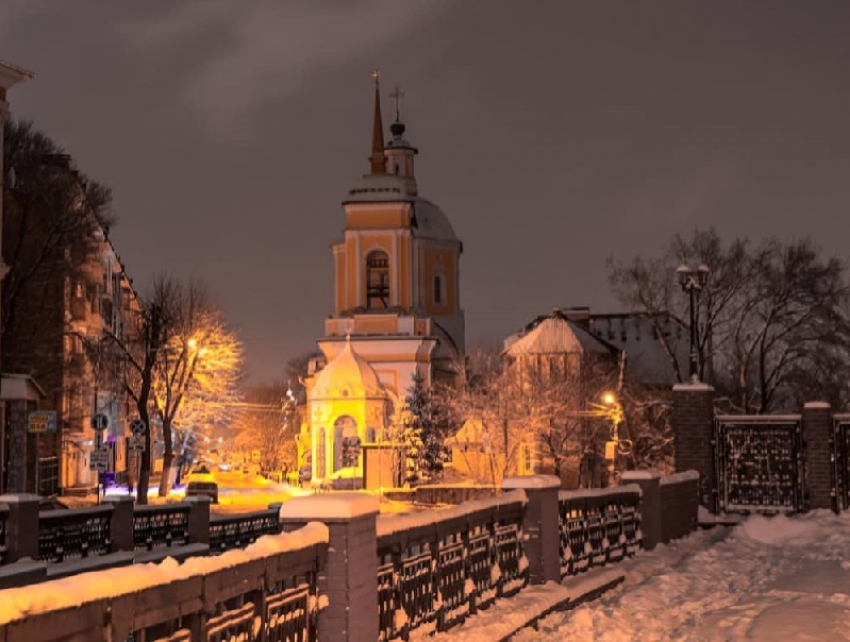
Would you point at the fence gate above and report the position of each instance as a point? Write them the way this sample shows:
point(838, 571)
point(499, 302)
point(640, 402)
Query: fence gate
point(841, 461)
point(759, 464)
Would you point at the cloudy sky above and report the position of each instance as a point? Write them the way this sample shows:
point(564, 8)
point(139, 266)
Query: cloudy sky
point(553, 134)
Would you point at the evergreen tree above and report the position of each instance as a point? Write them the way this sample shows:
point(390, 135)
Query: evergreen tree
point(423, 439)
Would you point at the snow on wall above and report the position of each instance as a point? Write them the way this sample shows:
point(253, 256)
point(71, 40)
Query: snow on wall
point(566, 495)
point(340, 505)
point(678, 478)
point(18, 603)
point(532, 481)
point(394, 523)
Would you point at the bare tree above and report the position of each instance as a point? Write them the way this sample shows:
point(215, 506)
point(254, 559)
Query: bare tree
point(200, 359)
point(268, 422)
point(766, 317)
point(180, 356)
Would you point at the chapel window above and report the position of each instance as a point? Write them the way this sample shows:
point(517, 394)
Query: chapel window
point(377, 280)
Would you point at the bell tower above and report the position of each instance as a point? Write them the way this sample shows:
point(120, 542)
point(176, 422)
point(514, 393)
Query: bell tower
point(396, 270)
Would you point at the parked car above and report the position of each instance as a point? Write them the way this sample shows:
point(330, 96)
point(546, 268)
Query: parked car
point(202, 482)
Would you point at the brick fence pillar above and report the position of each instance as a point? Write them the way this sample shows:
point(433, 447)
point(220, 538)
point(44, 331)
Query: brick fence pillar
point(350, 577)
point(817, 437)
point(122, 522)
point(650, 504)
point(693, 437)
point(22, 527)
point(540, 525)
point(199, 519)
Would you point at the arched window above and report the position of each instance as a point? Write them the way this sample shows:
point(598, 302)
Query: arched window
point(346, 443)
point(438, 290)
point(371, 433)
point(377, 280)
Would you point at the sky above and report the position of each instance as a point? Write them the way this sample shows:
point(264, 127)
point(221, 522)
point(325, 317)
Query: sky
point(554, 134)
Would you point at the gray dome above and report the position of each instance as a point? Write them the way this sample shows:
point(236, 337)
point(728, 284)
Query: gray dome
point(431, 222)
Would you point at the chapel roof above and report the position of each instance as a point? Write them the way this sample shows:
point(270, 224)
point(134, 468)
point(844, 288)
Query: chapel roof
point(347, 375)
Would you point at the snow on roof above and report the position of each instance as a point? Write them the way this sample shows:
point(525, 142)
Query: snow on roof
point(18, 603)
point(431, 222)
point(556, 335)
point(347, 375)
point(330, 506)
point(388, 524)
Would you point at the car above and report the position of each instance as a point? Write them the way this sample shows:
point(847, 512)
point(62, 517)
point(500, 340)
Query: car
point(202, 482)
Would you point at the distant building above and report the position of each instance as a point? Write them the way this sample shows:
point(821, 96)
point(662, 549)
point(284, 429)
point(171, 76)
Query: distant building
point(25, 395)
point(68, 295)
point(634, 337)
point(396, 308)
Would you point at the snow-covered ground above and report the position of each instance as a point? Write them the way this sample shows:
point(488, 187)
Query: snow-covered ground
point(776, 579)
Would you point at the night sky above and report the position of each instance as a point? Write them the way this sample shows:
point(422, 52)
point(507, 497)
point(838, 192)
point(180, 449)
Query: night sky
point(553, 134)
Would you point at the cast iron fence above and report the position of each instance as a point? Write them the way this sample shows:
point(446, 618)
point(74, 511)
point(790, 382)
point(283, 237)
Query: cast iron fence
point(68, 534)
point(165, 525)
point(4, 520)
point(433, 576)
point(237, 531)
point(598, 527)
point(759, 462)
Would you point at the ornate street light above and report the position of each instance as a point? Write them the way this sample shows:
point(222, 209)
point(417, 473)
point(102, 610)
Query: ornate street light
point(692, 282)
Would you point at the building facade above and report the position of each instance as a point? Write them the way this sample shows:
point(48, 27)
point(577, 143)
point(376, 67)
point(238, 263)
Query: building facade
point(66, 309)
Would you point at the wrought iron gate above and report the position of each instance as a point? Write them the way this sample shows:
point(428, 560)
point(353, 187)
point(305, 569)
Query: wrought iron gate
point(841, 462)
point(759, 464)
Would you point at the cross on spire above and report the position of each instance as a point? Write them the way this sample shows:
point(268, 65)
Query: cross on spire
point(398, 96)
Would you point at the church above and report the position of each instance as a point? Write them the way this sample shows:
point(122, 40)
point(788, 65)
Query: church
point(396, 313)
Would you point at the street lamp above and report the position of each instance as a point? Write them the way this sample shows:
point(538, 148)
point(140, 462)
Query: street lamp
point(692, 282)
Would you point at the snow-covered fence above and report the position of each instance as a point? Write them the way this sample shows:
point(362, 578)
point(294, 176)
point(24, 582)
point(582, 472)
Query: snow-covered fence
point(668, 505)
point(267, 591)
point(598, 527)
point(436, 568)
point(237, 531)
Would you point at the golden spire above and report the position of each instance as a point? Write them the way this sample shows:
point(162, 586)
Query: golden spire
point(377, 160)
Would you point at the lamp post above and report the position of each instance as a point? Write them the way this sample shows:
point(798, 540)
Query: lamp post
point(692, 282)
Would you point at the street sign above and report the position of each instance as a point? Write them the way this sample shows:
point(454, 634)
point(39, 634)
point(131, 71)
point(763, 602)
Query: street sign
point(137, 443)
point(42, 421)
point(100, 422)
point(99, 460)
point(138, 427)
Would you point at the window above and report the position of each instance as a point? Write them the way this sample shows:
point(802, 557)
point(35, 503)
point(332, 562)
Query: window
point(438, 290)
point(346, 443)
point(377, 280)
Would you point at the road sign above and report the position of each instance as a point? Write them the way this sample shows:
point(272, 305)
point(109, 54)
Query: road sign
point(42, 421)
point(137, 443)
point(99, 460)
point(100, 422)
point(138, 427)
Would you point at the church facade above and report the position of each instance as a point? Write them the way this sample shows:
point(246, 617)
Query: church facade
point(396, 314)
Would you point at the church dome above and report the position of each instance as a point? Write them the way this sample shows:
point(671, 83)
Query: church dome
point(348, 375)
point(431, 223)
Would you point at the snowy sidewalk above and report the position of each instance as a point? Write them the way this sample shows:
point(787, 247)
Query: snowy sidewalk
point(775, 579)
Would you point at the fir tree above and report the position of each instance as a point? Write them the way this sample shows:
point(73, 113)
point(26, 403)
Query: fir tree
point(423, 439)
